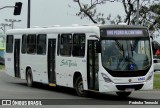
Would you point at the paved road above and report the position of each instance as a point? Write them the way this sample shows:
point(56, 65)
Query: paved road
point(13, 88)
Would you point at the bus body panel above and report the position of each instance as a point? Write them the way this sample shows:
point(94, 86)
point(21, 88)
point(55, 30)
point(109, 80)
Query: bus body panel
point(9, 62)
point(111, 86)
point(66, 67)
point(9, 67)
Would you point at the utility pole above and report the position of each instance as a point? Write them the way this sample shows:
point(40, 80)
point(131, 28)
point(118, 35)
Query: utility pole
point(4, 26)
point(29, 12)
point(12, 21)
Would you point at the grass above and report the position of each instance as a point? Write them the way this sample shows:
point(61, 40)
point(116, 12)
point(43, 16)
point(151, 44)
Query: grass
point(156, 83)
point(1, 67)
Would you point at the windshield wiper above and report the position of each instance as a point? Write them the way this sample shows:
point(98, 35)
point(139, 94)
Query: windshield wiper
point(135, 44)
point(131, 49)
point(119, 45)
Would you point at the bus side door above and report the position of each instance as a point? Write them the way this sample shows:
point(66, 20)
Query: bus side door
point(51, 61)
point(92, 65)
point(17, 57)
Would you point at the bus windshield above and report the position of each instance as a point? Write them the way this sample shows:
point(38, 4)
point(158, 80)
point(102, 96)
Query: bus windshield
point(126, 55)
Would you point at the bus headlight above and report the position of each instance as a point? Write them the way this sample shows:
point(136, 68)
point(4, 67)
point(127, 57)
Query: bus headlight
point(106, 78)
point(150, 76)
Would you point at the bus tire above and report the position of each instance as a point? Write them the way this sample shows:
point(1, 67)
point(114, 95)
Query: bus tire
point(123, 94)
point(79, 87)
point(29, 78)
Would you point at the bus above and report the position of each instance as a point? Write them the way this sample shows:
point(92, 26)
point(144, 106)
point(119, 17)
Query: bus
point(100, 58)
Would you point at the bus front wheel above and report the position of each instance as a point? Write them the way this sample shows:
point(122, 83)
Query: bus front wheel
point(29, 78)
point(79, 87)
point(123, 94)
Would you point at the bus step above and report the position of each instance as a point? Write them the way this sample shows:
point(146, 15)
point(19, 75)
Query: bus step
point(51, 84)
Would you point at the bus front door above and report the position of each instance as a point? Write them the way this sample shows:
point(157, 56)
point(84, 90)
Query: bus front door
point(51, 60)
point(17, 58)
point(92, 65)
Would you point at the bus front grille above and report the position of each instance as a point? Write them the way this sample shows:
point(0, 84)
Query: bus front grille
point(124, 87)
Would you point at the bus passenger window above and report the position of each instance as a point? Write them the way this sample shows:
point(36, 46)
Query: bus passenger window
point(31, 44)
point(41, 44)
point(9, 44)
point(58, 47)
point(78, 45)
point(66, 44)
point(24, 44)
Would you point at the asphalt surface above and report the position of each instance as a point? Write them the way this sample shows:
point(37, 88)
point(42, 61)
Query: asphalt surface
point(14, 88)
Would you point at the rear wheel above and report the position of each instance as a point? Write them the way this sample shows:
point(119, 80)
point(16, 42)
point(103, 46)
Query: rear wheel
point(79, 87)
point(29, 78)
point(123, 94)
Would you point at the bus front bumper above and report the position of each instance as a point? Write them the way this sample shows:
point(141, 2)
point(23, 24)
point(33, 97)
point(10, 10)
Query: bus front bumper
point(128, 87)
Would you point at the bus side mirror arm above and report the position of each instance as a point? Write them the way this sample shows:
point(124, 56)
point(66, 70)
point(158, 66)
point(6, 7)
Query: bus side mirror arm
point(151, 37)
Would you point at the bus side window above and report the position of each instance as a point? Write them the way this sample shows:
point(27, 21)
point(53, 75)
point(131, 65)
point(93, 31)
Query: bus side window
point(155, 61)
point(59, 42)
point(66, 44)
point(9, 44)
point(78, 45)
point(41, 44)
point(31, 44)
point(24, 44)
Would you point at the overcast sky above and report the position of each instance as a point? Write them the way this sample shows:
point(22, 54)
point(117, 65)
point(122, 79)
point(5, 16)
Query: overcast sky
point(45, 13)
point(52, 12)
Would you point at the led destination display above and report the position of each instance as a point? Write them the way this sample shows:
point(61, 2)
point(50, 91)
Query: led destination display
point(124, 32)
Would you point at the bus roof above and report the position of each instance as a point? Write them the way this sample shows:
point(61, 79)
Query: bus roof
point(123, 26)
point(68, 29)
point(53, 29)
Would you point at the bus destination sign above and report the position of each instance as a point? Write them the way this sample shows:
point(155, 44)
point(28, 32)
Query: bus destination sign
point(124, 32)
point(127, 33)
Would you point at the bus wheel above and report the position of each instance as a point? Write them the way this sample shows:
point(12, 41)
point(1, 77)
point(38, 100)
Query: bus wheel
point(123, 94)
point(79, 87)
point(29, 78)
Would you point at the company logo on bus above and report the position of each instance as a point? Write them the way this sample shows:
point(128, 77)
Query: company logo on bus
point(141, 79)
point(69, 63)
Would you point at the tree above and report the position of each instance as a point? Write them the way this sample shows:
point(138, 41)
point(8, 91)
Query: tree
point(149, 15)
point(90, 11)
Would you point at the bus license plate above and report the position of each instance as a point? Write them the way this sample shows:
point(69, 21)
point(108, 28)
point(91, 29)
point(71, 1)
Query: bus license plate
point(129, 89)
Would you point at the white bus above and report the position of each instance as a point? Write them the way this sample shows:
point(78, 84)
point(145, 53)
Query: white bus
point(102, 58)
